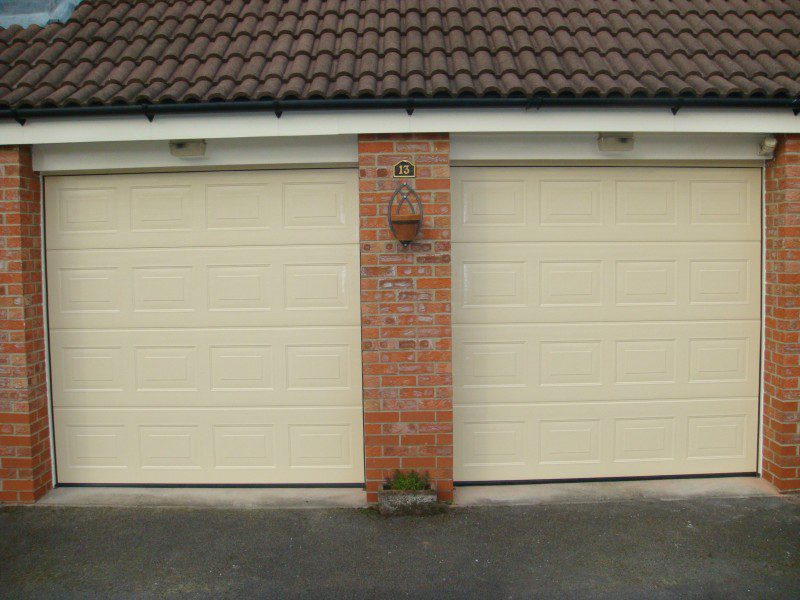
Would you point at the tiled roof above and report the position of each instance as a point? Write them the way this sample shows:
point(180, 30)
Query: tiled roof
point(155, 51)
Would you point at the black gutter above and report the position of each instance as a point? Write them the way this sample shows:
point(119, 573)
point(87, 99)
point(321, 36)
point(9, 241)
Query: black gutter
point(407, 104)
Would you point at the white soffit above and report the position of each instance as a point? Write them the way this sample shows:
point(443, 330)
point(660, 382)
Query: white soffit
point(336, 122)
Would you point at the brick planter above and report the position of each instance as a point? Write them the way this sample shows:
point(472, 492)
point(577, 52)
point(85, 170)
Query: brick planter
point(392, 503)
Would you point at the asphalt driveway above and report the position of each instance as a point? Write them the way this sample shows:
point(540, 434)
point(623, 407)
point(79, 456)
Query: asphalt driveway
point(698, 548)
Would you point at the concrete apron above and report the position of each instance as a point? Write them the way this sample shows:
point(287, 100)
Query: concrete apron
point(605, 491)
point(298, 498)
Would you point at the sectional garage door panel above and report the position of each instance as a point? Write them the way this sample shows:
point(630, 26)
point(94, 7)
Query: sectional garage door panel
point(209, 445)
point(586, 440)
point(606, 321)
point(251, 208)
point(606, 281)
point(270, 367)
point(595, 362)
point(204, 327)
point(204, 287)
point(606, 204)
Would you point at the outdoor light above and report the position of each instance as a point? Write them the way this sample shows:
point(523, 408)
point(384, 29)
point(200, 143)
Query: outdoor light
point(767, 147)
point(615, 142)
point(187, 148)
point(405, 214)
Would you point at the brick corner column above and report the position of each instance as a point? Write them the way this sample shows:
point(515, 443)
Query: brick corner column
point(25, 464)
point(406, 315)
point(781, 433)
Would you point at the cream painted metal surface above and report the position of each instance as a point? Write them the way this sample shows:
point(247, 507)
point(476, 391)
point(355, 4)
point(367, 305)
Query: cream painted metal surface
point(204, 327)
point(606, 321)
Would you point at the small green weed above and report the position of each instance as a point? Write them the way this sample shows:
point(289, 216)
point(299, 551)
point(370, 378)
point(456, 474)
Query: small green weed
point(408, 481)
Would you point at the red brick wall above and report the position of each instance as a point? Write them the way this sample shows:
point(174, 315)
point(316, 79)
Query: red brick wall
point(781, 444)
point(405, 315)
point(24, 431)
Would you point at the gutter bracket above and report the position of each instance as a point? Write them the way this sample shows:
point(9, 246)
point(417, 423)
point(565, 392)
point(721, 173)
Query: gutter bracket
point(278, 110)
point(410, 107)
point(148, 112)
point(676, 107)
point(796, 106)
point(22, 121)
point(536, 103)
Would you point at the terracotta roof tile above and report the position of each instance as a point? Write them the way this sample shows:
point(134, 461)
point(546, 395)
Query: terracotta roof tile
point(131, 51)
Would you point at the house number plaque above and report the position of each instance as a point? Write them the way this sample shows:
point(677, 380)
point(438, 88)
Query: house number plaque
point(405, 168)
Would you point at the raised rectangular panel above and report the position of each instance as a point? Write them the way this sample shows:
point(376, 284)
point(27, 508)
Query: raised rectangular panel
point(569, 441)
point(317, 367)
point(92, 369)
point(646, 282)
point(571, 283)
point(494, 284)
point(494, 443)
point(237, 207)
point(720, 281)
point(166, 447)
point(493, 203)
point(571, 202)
point(493, 364)
point(166, 368)
point(645, 202)
point(88, 290)
point(644, 439)
point(718, 360)
point(570, 363)
point(161, 208)
point(719, 202)
point(241, 367)
point(311, 287)
point(717, 437)
point(87, 210)
point(646, 361)
point(319, 446)
point(239, 287)
point(96, 446)
point(237, 446)
point(313, 205)
point(162, 289)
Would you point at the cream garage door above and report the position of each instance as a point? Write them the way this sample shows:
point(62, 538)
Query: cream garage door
point(204, 327)
point(606, 322)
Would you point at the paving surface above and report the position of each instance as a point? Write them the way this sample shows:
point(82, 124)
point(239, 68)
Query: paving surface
point(686, 548)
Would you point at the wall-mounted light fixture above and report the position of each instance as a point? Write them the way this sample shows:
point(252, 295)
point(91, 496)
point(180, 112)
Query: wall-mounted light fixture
point(767, 147)
point(615, 142)
point(405, 214)
point(187, 148)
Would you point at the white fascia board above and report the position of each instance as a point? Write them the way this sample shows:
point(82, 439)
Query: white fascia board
point(336, 122)
point(542, 147)
point(330, 150)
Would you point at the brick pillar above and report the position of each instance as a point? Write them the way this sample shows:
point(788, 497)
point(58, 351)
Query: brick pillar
point(405, 315)
point(781, 444)
point(24, 422)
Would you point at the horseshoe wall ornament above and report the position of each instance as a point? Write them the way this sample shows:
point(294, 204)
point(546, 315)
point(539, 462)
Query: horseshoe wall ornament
point(405, 224)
